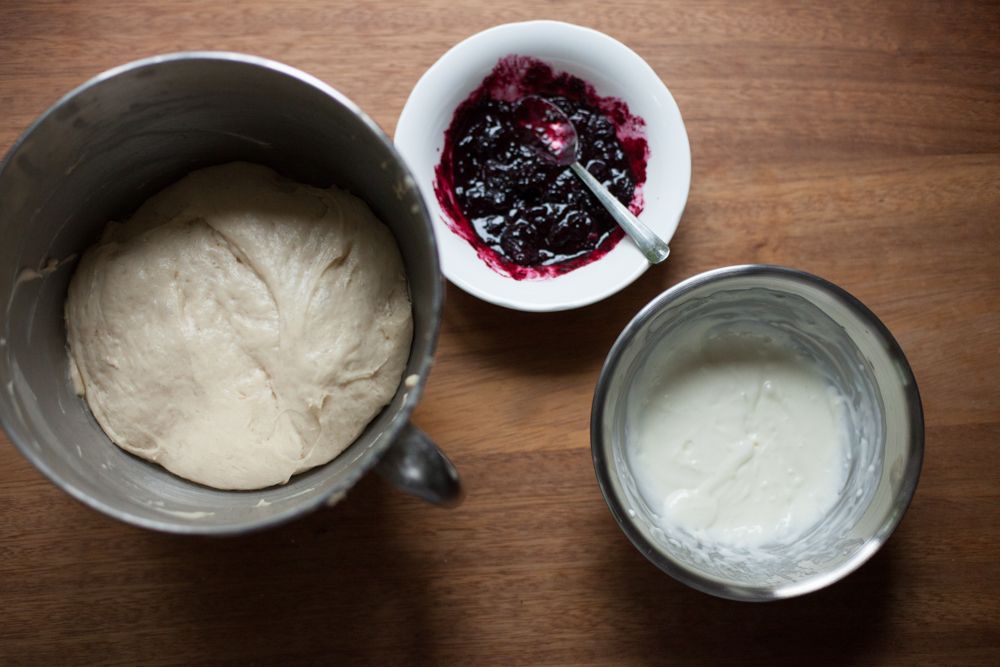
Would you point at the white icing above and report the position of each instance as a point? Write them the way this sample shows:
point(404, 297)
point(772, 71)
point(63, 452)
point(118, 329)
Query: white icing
point(739, 441)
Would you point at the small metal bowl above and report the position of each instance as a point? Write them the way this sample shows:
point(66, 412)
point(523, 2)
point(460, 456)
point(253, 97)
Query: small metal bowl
point(868, 367)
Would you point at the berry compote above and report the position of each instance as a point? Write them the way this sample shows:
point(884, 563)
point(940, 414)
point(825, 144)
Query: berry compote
point(527, 217)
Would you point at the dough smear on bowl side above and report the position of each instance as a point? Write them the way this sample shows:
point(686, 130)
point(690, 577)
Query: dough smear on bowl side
point(240, 328)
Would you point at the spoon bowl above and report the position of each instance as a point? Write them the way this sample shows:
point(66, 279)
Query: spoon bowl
point(548, 131)
point(552, 135)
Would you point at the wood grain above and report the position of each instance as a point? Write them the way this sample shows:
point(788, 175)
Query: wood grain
point(859, 141)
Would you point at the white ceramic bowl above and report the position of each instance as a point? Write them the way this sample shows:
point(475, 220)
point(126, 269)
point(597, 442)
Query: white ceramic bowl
point(615, 71)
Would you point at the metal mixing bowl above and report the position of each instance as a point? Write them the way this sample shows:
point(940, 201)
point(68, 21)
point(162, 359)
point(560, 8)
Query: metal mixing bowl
point(864, 362)
point(95, 156)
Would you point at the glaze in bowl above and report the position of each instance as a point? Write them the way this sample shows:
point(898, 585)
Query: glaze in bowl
point(858, 356)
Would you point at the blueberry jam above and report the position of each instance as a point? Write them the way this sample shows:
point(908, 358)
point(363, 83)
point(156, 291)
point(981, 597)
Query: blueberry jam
point(525, 216)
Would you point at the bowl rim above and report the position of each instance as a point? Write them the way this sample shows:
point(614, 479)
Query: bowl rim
point(607, 286)
point(365, 463)
point(717, 586)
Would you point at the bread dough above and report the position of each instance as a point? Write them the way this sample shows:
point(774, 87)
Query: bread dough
point(240, 328)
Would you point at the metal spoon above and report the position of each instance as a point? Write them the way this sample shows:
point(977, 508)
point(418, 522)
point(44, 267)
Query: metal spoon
point(554, 138)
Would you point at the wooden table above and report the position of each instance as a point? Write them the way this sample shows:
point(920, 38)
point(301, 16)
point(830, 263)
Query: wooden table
point(859, 141)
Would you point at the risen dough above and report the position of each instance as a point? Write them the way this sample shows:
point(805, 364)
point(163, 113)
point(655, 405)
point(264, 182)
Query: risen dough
point(240, 328)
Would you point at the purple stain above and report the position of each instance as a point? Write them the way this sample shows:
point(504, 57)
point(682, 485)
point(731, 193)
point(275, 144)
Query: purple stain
point(524, 216)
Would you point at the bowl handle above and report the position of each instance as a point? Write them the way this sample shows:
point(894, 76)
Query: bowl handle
point(416, 465)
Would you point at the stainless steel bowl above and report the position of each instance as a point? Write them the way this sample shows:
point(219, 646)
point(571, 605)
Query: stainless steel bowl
point(818, 319)
point(95, 156)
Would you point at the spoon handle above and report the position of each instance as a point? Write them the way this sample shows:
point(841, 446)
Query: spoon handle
point(652, 247)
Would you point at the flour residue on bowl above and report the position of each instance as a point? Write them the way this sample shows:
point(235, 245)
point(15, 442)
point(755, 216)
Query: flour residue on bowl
point(526, 218)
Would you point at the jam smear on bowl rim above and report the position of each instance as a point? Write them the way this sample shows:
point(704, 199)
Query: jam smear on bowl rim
point(524, 217)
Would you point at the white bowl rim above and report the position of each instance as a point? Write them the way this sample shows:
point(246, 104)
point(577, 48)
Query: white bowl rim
point(602, 282)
